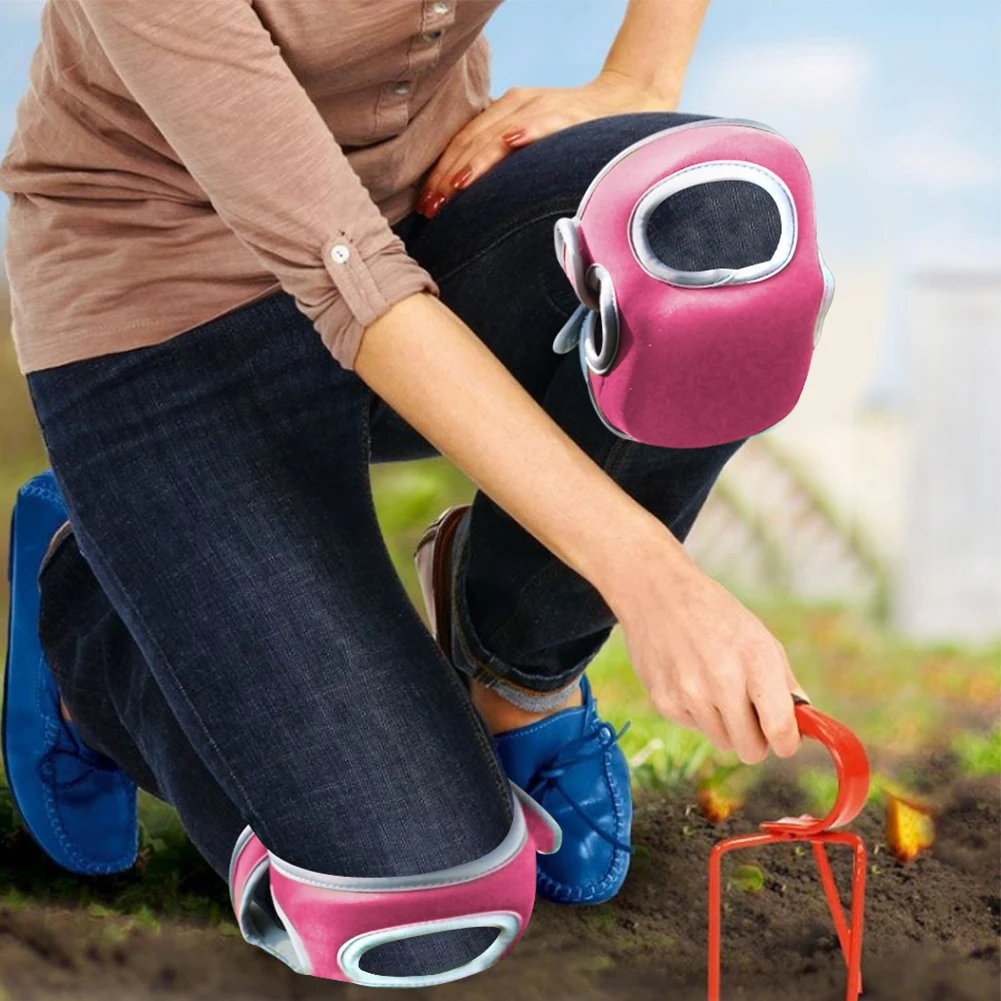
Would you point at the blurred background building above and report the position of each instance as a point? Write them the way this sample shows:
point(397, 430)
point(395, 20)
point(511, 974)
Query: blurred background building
point(883, 488)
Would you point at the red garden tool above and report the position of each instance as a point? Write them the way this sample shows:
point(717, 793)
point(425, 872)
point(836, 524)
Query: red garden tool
point(852, 766)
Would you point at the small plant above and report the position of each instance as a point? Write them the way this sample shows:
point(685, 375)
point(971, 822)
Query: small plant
point(747, 879)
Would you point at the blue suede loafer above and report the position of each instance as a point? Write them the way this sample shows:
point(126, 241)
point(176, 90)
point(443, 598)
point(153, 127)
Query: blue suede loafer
point(572, 765)
point(76, 803)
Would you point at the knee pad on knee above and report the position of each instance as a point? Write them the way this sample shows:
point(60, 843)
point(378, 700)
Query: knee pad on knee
point(703, 291)
point(323, 925)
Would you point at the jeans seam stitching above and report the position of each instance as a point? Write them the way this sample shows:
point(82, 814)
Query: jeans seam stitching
point(470, 712)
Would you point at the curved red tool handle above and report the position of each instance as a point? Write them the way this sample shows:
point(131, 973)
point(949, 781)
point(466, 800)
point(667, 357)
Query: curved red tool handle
point(851, 763)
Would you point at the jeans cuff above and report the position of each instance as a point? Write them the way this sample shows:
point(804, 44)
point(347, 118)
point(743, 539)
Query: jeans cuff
point(472, 658)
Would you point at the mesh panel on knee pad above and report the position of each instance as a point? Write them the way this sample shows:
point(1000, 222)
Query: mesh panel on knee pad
point(428, 954)
point(719, 224)
point(423, 956)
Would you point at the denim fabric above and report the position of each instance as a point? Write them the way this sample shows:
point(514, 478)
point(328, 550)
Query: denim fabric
point(225, 621)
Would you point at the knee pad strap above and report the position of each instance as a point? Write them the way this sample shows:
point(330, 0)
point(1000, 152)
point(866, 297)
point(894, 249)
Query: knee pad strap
point(324, 925)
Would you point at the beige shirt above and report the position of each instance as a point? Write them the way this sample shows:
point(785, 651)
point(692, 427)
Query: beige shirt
point(176, 159)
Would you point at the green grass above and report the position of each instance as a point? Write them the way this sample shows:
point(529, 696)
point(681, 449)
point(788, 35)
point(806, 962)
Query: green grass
point(979, 754)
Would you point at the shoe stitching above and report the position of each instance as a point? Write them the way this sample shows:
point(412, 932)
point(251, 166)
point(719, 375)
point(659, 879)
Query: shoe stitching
point(619, 858)
point(50, 735)
point(73, 853)
point(564, 893)
point(50, 731)
point(32, 489)
point(542, 724)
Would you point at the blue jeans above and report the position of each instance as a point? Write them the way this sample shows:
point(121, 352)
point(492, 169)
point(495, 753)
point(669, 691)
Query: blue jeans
point(224, 620)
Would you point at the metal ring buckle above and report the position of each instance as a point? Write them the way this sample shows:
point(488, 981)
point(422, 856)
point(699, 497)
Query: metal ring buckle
point(566, 236)
point(600, 361)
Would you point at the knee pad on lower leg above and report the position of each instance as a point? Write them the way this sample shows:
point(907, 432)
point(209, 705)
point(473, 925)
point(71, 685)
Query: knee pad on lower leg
point(703, 291)
point(323, 925)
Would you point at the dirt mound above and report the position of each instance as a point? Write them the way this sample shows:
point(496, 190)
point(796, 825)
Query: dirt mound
point(931, 935)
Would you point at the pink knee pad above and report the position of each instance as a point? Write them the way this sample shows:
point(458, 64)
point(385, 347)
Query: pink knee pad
point(689, 359)
point(323, 925)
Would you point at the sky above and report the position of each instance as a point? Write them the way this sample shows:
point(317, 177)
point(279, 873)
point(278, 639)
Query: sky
point(896, 104)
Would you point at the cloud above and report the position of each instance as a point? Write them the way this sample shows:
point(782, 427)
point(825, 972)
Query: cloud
point(812, 90)
point(937, 161)
point(784, 79)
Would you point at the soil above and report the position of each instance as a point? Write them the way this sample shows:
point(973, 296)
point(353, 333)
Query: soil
point(932, 928)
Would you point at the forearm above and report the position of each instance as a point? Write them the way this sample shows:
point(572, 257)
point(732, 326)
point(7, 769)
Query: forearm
point(655, 44)
point(434, 371)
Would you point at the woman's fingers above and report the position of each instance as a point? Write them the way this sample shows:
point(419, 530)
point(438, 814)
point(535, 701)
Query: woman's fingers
point(475, 147)
point(477, 156)
point(750, 707)
point(769, 691)
point(459, 167)
point(743, 728)
point(709, 721)
point(692, 713)
point(517, 119)
point(716, 664)
point(794, 686)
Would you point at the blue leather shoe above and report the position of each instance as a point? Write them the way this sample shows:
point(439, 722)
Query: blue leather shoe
point(572, 765)
point(77, 804)
point(570, 762)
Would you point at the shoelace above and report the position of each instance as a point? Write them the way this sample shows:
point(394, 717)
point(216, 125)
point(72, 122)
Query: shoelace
point(596, 742)
point(69, 746)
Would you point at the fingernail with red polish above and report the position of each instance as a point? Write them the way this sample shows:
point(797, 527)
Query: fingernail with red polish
point(422, 202)
point(513, 135)
point(436, 205)
point(462, 178)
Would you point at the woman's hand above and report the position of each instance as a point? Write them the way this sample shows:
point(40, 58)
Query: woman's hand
point(707, 662)
point(521, 116)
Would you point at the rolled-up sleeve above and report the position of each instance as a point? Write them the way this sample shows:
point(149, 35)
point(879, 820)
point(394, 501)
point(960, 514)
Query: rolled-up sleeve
point(215, 85)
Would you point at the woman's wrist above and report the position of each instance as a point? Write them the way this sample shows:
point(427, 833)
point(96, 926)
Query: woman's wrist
point(653, 47)
point(640, 95)
point(640, 548)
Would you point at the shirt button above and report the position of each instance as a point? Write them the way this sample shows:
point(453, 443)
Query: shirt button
point(440, 8)
point(339, 253)
point(402, 87)
point(431, 36)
